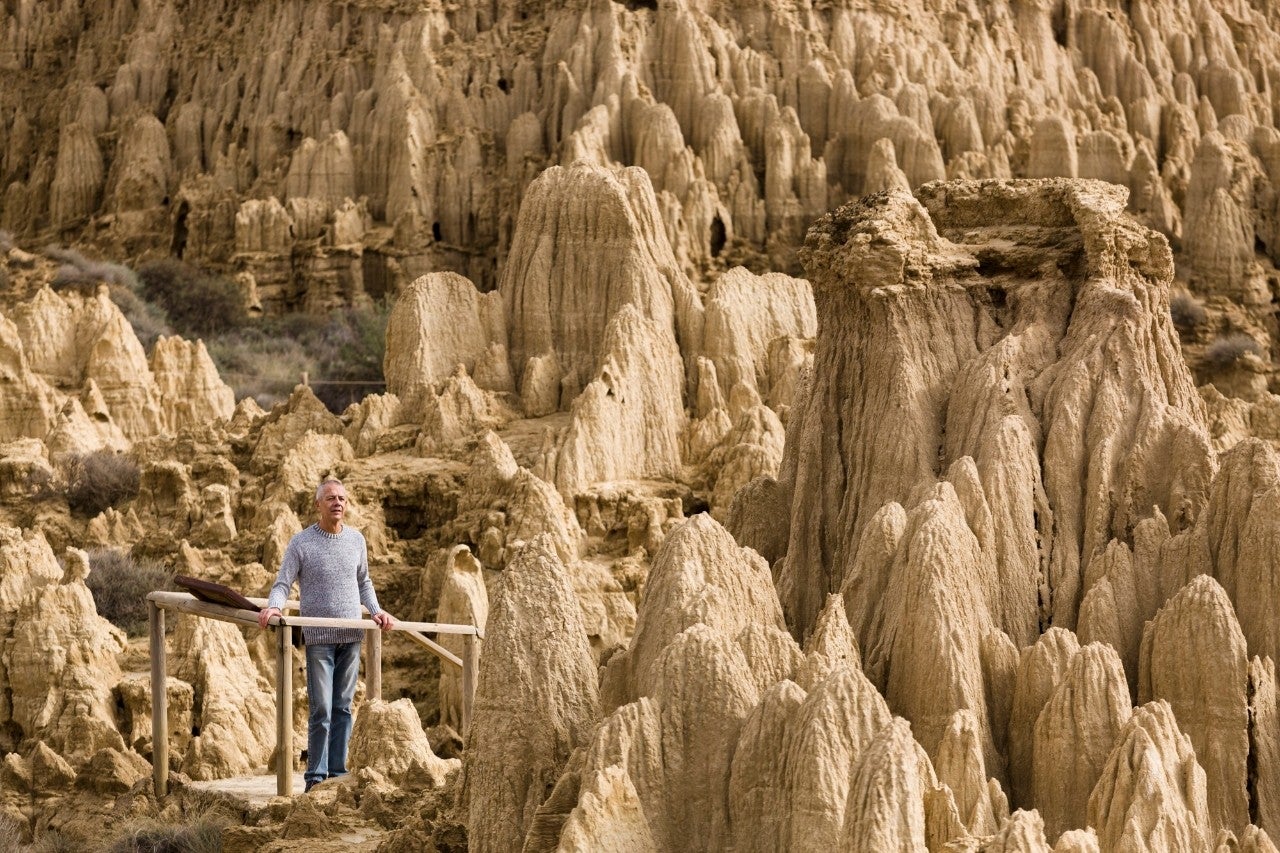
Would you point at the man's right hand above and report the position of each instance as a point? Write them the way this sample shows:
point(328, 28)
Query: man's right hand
point(264, 616)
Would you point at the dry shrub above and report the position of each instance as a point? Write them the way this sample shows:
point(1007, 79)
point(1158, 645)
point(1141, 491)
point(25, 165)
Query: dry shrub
point(353, 344)
point(259, 364)
point(120, 585)
point(1186, 310)
point(77, 271)
point(82, 275)
point(11, 832)
point(41, 484)
point(1226, 350)
point(148, 321)
point(99, 480)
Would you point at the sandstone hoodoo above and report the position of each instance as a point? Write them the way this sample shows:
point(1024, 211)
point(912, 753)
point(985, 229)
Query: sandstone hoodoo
point(945, 336)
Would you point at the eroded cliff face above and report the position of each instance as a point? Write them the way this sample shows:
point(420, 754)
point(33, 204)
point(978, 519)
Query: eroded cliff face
point(331, 152)
point(985, 520)
point(981, 567)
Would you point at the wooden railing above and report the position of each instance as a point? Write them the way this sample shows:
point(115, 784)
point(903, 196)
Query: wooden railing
point(160, 601)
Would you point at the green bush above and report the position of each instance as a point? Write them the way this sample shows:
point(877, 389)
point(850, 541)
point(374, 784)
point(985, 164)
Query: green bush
point(1226, 350)
point(265, 359)
point(353, 344)
point(99, 480)
point(120, 585)
point(195, 302)
point(259, 364)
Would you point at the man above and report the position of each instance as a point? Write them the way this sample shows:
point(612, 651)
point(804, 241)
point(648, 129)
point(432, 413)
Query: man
point(330, 563)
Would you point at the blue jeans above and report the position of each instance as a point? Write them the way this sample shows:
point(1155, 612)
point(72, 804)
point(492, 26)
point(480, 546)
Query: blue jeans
point(332, 669)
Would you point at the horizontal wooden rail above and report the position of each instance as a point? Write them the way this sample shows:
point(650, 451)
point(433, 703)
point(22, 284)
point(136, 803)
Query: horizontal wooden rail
point(369, 625)
point(187, 602)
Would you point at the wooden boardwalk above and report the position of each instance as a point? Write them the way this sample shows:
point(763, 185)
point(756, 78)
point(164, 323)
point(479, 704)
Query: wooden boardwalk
point(254, 790)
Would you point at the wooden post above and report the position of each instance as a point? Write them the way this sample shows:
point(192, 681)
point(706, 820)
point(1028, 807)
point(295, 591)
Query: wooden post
point(284, 711)
point(469, 669)
point(373, 665)
point(159, 703)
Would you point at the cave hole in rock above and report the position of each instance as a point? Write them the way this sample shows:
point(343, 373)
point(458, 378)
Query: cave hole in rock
point(999, 298)
point(11, 734)
point(633, 5)
point(1058, 22)
point(717, 237)
point(695, 504)
point(503, 85)
point(179, 244)
point(435, 231)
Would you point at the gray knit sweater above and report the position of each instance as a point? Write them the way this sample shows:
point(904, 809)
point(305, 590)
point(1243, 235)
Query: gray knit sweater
point(332, 571)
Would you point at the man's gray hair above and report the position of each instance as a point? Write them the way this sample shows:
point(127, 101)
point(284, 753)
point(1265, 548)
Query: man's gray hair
point(323, 483)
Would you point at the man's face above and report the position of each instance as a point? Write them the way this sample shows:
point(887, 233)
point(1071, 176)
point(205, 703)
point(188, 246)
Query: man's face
point(333, 502)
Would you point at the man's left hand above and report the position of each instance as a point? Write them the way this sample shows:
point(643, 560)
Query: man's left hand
point(384, 620)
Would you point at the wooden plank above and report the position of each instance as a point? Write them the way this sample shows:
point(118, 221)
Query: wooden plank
point(185, 603)
point(167, 596)
point(437, 649)
point(291, 604)
point(159, 702)
point(284, 711)
point(367, 625)
point(470, 667)
point(189, 604)
point(373, 666)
